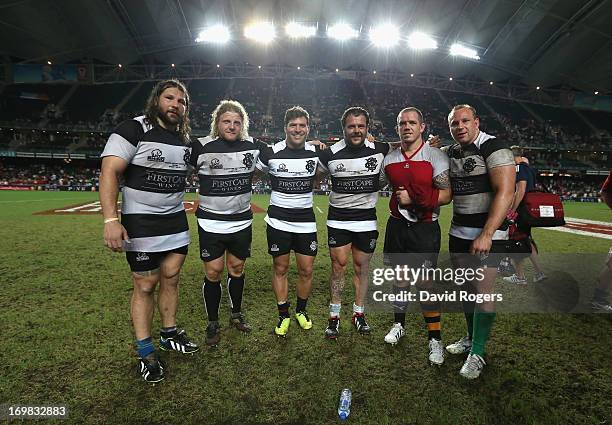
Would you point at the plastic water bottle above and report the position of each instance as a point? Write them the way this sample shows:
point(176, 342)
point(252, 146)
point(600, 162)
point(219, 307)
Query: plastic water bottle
point(344, 407)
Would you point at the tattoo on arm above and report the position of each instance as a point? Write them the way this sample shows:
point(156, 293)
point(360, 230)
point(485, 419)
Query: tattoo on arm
point(442, 180)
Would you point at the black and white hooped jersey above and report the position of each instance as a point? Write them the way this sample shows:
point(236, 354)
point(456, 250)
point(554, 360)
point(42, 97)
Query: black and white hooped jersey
point(354, 174)
point(225, 170)
point(472, 191)
point(292, 174)
point(152, 210)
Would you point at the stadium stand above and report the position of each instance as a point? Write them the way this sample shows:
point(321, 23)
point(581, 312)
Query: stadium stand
point(44, 121)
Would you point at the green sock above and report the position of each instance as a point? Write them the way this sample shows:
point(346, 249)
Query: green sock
point(469, 319)
point(483, 323)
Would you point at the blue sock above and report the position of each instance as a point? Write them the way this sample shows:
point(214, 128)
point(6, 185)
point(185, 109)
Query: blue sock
point(145, 347)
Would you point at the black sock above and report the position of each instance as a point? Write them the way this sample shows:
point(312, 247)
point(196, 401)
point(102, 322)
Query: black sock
point(283, 309)
point(212, 299)
point(301, 304)
point(399, 307)
point(169, 332)
point(235, 287)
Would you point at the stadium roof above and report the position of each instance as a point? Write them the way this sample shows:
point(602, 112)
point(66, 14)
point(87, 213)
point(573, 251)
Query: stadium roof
point(547, 43)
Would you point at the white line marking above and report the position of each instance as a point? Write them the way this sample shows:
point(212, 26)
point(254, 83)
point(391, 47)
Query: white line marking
point(41, 200)
point(579, 232)
point(319, 209)
point(585, 221)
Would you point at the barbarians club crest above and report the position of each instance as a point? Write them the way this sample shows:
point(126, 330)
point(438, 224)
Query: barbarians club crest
point(310, 165)
point(469, 165)
point(371, 163)
point(248, 160)
point(186, 155)
point(215, 164)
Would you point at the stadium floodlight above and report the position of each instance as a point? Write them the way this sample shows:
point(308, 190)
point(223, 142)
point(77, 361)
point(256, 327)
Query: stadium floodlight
point(214, 34)
point(459, 50)
point(385, 35)
point(421, 41)
point(342, 32)
point(297, 30)
point(263, 32)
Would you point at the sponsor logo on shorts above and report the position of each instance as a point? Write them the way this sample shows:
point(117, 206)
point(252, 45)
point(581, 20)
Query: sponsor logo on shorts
point(156, 156)
point(205, 253)
point(313, 246)
point(142, 256)
point(215, 164)
point(331, 241)
point(372, 243)
point(274, 248)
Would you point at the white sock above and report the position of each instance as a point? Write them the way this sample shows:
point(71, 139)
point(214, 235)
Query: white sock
point(334, 310)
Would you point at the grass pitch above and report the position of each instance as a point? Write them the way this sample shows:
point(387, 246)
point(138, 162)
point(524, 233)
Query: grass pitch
point(67, 340)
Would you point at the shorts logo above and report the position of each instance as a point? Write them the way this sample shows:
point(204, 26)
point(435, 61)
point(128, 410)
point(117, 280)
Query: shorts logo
point(186, 156)
point(469, 165)
point(248, 160)
point(371, 164)
point(274, 248)
point(156, 156)
point(310, 165)
point(142, 256)
point(282, 168)
point(215, 164)
point(313, 246)
point(372, 243)
point(205, 253)
point(331, 241)
point(340, 168)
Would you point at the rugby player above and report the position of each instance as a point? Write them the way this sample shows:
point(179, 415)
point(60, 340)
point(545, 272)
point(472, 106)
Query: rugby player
point(225, 162)
point(525, 182)
point(151, 153)
point(482, 174)
point(292, 165)
point(418, 174)
point(354, 164)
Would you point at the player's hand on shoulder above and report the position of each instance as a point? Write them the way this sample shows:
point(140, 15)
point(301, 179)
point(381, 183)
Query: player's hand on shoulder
point(318, 143)
point(434, 141)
